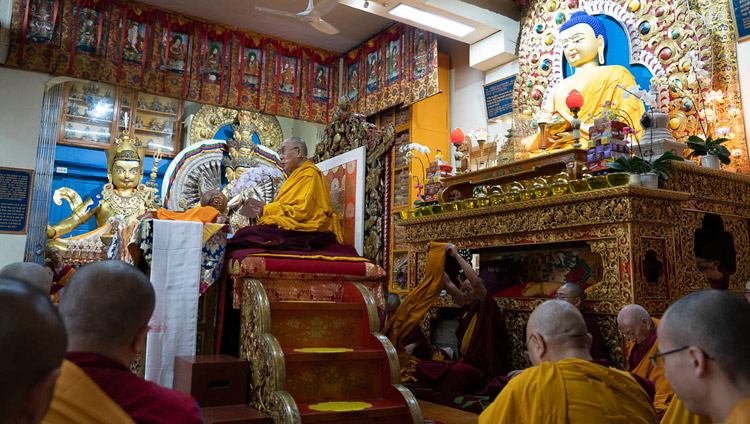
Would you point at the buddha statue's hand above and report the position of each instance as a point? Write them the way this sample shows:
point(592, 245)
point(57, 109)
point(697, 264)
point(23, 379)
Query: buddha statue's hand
point(51, 232)
point(557, 124)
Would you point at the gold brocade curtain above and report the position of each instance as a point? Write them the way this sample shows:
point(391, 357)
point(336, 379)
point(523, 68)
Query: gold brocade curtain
point(397, 66)
point(148, 49)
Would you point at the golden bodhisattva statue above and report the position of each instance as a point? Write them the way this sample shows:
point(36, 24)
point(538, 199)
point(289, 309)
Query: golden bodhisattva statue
point(124, 196)
point(584, 40)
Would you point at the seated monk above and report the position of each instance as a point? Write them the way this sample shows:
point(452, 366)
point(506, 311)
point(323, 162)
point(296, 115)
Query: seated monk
point(640, 329)
point(106, 309)
point(584, 41)
point(300, 220)
point(565, 385)
point(33, 342)
point(61, 273)
point(480, 332)
point(704, 350)
point(574, 294)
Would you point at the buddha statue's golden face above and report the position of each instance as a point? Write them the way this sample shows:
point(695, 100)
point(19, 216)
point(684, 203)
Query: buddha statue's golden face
point(581, 45)
point(229, 172)
point(126, 174)
point(246, 152)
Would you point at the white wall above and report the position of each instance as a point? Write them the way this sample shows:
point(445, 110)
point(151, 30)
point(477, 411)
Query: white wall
point(307, 131)
point(21, 95)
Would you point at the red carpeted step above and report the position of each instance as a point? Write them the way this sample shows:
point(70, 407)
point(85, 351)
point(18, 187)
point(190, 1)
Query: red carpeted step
point(235, 414)
point(334, 376)
point(380, 410)
point(317, 324)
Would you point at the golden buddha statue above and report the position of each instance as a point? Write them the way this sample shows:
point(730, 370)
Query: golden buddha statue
point(584, 40)
point(124, 196)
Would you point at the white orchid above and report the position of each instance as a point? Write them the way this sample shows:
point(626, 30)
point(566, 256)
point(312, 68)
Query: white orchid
point(734, 112)
point(253, 176)
point(723, 130)
point(542, 116)
point(479, 134)
point(647, 97)
point(714, 96)
point(416, 147)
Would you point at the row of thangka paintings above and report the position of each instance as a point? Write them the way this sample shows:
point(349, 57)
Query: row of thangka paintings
point(137, 46)
point(153, 51)
point(398, 65)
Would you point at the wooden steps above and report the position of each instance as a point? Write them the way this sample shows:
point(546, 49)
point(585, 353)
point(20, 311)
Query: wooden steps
point(381, 409)
point(367, 372)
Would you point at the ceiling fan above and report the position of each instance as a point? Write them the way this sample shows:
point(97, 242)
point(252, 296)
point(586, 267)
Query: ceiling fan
point(312, 15)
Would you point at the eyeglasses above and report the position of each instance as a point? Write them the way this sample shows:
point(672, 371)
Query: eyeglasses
point(655, 358)
point(285, 150)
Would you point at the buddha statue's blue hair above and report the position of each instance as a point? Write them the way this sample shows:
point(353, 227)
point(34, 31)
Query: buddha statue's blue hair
point(585, 18)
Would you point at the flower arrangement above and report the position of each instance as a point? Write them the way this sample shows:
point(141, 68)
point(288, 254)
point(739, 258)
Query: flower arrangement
point(479, 134)
point(250, 178)
point(409, 150)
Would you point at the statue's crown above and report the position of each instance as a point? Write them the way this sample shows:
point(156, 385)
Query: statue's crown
point(243, 129)
point(125, 148)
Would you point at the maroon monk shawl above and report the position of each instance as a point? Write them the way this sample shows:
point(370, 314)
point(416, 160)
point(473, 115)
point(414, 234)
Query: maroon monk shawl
point(144, 401)
point(641, 349)
point(256, 239)
point(598, 351)
point(485, 359)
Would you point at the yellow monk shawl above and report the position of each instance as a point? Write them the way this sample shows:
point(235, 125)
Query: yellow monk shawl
point(740, 413)
point(601, 85)
point(204, 214)
point(648, 371)
point(79, 400)
point(304, 204)
point(571, 391)
point(416, 304)
point(678, 414)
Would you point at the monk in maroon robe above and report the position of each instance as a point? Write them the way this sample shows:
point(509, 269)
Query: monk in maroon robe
point(106, 309)
point(481, 337)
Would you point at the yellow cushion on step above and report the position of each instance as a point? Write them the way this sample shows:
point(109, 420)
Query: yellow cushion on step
point(323, 350)
point(340, 406)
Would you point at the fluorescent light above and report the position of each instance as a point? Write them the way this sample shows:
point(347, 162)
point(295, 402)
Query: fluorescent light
point(431, 20)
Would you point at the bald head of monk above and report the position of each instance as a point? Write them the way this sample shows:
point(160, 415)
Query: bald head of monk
point(705, 351)
point(106, 309)
point(556, 331)
point(30, 273)
point(32, 347)
point(392, 302)
point(635, 323)
point(571, 293)
point(293, 153)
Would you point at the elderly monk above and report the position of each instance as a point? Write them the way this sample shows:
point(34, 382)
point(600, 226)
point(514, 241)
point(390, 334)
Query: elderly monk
point(32, 340)
point(300, 222)
point(106, 309)
point(564, 385)
point(61, 272)
point(640, 329)
point(30, 273)
point(704, 349)
point(304, 201)
point(575, 295)
point(480, 332)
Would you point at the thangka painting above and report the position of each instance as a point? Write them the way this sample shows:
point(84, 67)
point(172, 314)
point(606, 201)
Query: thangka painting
point(176, 53)
point(372, 72)
point(134, 41)
point(41, 21)
point(345, 174)
point(320, 82)
point(287, 75)
point(213, 61)
point(251, 68)
point(87, 31)
point(393, 61)
point(420, 54)
point(352, 82)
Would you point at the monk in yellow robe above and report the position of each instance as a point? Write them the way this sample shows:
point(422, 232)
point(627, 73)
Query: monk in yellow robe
point(304, 201)
point(564, 385)
point(640, 329)
point(704, 350)
point(584, 39)
point(32, 341)
point(300, 222)
point(79, 400)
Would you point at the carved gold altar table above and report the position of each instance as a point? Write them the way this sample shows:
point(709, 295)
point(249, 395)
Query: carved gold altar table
point(630, 227)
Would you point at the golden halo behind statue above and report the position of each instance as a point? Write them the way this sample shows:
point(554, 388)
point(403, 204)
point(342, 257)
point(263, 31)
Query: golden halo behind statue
point(210, 119)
